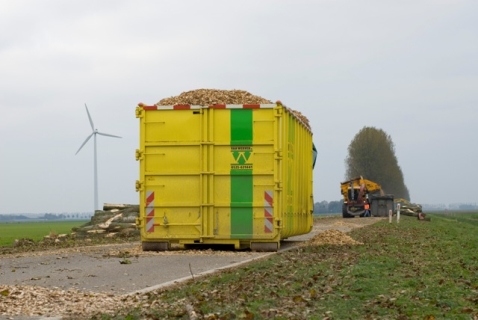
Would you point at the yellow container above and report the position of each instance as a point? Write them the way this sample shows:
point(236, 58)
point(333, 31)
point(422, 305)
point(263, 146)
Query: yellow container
point(236, 175)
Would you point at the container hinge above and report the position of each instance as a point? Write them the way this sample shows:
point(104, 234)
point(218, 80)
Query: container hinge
point(139, 112)
point(278, 155)
point(139, 155)
point(139, 186)
point(279, 110)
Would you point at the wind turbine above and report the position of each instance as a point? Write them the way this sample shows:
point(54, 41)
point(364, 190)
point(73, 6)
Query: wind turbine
point(93, 134)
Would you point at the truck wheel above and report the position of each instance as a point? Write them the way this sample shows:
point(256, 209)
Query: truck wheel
point(345, 213)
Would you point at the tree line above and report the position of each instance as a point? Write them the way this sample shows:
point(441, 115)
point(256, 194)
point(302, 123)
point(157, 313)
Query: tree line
point(46, 216)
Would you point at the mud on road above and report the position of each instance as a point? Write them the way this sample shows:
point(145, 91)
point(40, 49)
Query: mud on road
point(97, 278)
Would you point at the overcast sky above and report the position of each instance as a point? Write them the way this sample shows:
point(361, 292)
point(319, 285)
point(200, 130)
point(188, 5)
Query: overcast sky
point(407, 67)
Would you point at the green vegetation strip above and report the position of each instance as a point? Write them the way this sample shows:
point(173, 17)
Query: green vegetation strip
point(34, 230)
point(411, 270)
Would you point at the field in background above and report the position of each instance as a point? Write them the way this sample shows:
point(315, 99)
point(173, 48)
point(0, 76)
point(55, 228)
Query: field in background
point(34, 230)
point(470, 217)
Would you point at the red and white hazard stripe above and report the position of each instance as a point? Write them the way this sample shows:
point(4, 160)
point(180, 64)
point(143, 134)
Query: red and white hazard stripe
point(268, 211)
point(176, 107)
point(149, 211)
point(215, 106)
point(235, 106)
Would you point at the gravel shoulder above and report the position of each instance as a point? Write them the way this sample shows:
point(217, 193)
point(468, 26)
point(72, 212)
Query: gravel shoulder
point(66, 282)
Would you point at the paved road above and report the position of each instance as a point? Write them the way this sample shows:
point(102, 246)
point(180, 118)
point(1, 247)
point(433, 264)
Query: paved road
point(104, 269)
point(100, 271)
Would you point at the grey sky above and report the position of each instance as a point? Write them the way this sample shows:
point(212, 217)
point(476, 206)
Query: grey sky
point(407, 67)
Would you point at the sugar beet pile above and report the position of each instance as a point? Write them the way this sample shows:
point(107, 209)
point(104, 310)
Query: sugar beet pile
point(333, 237)
point(208, 97)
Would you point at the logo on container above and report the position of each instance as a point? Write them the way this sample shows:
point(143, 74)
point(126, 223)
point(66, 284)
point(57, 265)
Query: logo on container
point(241, 155)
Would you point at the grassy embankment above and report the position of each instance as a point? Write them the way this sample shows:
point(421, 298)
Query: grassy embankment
point(410, 270)
point(9, 231)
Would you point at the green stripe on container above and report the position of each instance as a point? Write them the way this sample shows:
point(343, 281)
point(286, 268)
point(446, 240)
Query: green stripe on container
point(241, 127)
point(241, 180)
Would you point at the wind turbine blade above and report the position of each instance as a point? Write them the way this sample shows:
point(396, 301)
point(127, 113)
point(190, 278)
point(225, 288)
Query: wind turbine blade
point(89, 118)
point(108, 135)
point(84, 143)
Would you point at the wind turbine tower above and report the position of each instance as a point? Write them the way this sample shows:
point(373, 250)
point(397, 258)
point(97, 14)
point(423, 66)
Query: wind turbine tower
point(93, 134)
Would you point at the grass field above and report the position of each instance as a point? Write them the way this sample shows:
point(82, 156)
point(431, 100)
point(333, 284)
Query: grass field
point(34, 230)
point(411, 270)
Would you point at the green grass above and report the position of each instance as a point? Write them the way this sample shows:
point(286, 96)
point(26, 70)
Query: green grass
point(410, 270)
point(465, 217)
point(33, 230)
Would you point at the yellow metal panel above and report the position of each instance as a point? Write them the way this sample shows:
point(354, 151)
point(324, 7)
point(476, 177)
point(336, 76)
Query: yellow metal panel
point(220, 125)
point(220, 131)
point(170, 174)
point(172, 126)
point(172, 159)
point(174, 190)
point(224, 175)
point(264, 179)
point(222, 210)
point(264, 126)
point(296, 176)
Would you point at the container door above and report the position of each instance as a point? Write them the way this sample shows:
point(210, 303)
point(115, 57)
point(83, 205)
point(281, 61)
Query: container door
point(243, 164)
point(171, 168)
